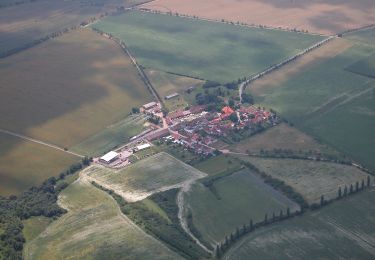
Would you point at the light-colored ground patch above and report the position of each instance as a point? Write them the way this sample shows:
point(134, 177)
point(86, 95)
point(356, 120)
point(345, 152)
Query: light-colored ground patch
point(309, 178)
point(326, 17)
point(94, 228)
point(158, 173)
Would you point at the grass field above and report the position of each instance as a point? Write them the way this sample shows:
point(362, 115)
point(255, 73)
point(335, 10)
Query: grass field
point(68, 89)
point(167, 84)
point(365, 67)
point(327, 17)
point(24, 164)
point(329, 102)
point(180, 45)
point(138, 181)
point(21, 25)
point(231, 202)
point(343, 230)
point(218, 164)
point(34, 226)
point(309, 178)
point(112, 136)
point(281, 136)
point(93, 228)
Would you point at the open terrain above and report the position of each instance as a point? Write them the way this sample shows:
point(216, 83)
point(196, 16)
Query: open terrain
point(23, 25)
point(343, 230)
point(325, 17)
point(201, 49)
point(93, 228)
point(154, 174)
point(24, 164)
point(310, 178)
point(329, 101)
point(231, 202)
point(68, 89)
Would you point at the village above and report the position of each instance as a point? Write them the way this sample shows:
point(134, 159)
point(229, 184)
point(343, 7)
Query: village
point(196, 129)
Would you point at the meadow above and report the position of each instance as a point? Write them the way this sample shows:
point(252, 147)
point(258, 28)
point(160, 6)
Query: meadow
point(202, 49)
point(69, 88)
point(112, 136)
point(231, 202)
point(309, 178)
point(154, 174)
point(93, 228)
point(24, 164)
point(218, 165)
point(343, 230)
point(330, 102)
point(326, 17)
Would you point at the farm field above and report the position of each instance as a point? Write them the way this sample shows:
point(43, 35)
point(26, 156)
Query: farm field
point(136, 182)
point(231, 202)
point(34, 226)
point(167, 84)
point(218, 164)
point(309, 178)
point(112, 136)
point(327, 92)
point(179, 45)
point(68, 89)
point(93, 228)
point(24, 164)
point(325, 17)
point(281, 136)
point(342, 230)
point(22, 25)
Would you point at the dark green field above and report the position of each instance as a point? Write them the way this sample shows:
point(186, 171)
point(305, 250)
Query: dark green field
point(207, 50)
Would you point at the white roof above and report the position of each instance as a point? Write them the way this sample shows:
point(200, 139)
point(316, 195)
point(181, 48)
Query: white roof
point(143, 146)
point(109, 156)
point(148, 105)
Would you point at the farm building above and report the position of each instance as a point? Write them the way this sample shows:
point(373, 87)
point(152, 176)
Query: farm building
point(109, 157)
point(158, 134)
point(149, 105)
point(172, 96)
point(143, 146)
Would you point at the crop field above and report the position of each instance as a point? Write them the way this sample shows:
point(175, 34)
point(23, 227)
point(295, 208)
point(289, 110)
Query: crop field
point(231, 202)
point(365, 67)
point(329, 102)
point(309, 178)
point(343, 230)
point(157, 173)
point(326, 17)
point(112, 136)
point(21, 25)
point(93, 228)
point(281, 136)
point(179, 45)
point(24, 164)
point(167, 84)
point(218, 164)
point(68, 89)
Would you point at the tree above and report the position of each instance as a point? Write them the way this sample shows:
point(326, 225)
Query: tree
point(339, 193)
point(233, 117)
point(218, 251)
point(265, 218)
point(351, 189)
point(362, 185)
point(244, 230)
point(356, 186)
point(251, 225)
point(281, 215)
point(322, 201)
point(368, 181)
point(135, 110)
point(273, 217)
point(237, 233)
point(231, 103)
point(288, 212)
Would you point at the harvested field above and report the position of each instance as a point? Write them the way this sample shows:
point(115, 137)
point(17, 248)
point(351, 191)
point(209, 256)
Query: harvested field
point(179, 45)
point(160, 172)
point(93, 228)
point(112, 136)
point(231, 202)
point(309, 178)
point(281, 136)
point(343, 230)
point(325, 17)
point(68, 89)
point(22, 25)
point(24, 164)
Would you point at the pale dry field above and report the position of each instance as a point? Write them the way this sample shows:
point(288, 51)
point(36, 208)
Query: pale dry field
point(318, 16)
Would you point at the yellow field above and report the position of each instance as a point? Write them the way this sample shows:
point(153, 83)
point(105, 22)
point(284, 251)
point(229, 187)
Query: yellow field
point(68, 88)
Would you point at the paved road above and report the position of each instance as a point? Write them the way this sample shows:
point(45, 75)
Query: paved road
point(39, 142)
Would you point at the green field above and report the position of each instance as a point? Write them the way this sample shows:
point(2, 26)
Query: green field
point(365, 67)
point(218, 164)
point(309, 178)
point(24, 164)
point(137, 181)
point(332, 103)
point(67, 89)
point(93, 228)
point(231, 202)
point(343, 230)
point(34, 226)
point(112, 136)
point(207, 50)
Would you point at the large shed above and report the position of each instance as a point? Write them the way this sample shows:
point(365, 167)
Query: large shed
point(109, 157)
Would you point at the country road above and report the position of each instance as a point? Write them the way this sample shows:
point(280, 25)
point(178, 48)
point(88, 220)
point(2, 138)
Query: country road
point(39, 142)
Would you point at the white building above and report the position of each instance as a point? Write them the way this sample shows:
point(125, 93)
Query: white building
point(143, 146)
point(109, 157)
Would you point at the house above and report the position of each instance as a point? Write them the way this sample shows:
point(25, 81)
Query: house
point(149, 105)
point(109, 157)
point(171, 96)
